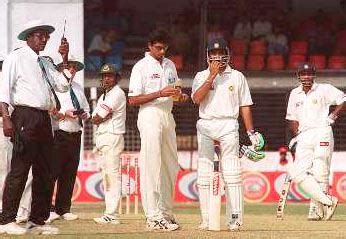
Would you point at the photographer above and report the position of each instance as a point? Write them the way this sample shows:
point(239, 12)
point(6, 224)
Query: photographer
point(68, 125)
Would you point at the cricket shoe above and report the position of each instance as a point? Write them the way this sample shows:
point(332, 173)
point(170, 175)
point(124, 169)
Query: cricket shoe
point(316, 212)
point(161, 225)
point(203, 226)
point(107, 219)
point(53, 216)
point(234, 225)
point(69, 216)
point(172, 219)
point(36, 229)
point(12, 229)
point(330, 210)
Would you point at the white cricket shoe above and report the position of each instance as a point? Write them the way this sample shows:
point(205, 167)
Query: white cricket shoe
point(331, 209)
point(52, 217)
point(316, 212)
point(12, 229)
point(203, 226)
point(172, 219)
point(36, 229)
point(234, 225)
point(107, 219)
point(69, 216)
point(161, 225)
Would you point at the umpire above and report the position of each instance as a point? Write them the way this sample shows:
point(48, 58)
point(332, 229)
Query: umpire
point(29, 85)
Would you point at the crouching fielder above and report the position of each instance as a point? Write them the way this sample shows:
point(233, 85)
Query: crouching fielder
point(110, 116)
point(221, 93)
point(307, 112)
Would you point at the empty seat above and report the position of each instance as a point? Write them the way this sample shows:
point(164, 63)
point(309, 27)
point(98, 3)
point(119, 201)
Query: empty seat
point(295, 60)
point(298, 47)
point(178, 61)
point(238, 62)
point(258, 47)
point(319, 61)
point(275, 62)
point(238, 47)
point(336, 62)
point(255, 62)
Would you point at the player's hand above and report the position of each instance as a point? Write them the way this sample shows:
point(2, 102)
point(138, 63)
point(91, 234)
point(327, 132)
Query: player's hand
point(183, 98)
point(169, 91)
point(84, 116)
point(7, 126)
point(250, 153)
point(69, 114)
point(257, 140)
point(56, 115)
point(214, 68)
point(331, 119)
point(64, 48)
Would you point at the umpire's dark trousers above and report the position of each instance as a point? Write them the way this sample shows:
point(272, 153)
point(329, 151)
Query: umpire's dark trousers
point(67, 152)
point(32, 146)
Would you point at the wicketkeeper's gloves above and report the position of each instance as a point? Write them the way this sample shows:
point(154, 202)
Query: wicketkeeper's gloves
point(250, 153)
point(257, 140)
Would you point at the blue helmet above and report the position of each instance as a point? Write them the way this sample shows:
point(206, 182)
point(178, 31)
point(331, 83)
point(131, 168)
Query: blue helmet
point(218, 44)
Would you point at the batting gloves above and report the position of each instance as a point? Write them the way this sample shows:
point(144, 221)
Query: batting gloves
point(257, 140)
point(250, 153)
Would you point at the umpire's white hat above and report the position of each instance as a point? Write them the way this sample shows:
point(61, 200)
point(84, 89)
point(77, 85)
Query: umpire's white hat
point(33, 26)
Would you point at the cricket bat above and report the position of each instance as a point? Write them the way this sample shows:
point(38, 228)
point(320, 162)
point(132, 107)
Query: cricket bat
point(215, 192)
point(283, 197)
point(136, 186)
point(128, 192)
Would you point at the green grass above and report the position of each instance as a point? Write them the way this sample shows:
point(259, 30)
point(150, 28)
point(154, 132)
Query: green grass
point(259, 222)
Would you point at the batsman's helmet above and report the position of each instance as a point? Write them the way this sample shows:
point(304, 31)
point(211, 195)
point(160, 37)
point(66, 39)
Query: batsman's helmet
point(306, 73)
point(216, 45)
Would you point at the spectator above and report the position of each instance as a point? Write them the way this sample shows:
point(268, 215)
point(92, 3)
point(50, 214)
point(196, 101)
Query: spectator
point(98, 48)
point(262, 27)
point(243, 29)
point(277, 42)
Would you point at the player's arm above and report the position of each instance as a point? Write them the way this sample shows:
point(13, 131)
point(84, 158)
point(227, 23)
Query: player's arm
point(103, 114)
point(293, 126)
point(246, 115)
point(336, 97)
point(204, 89)
point(146, 98)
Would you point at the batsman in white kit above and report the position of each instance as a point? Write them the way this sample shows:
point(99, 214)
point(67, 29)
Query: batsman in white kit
point(311, 124)
point(222, 93)
point(110, 116)
point(152, 86)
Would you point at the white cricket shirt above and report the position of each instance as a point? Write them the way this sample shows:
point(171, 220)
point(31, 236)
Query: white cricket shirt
point(312, 109)
point(230, 91)
point(149, 76)
point(23, 83)
point(115, 103)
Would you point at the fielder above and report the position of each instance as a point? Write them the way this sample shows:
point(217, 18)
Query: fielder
point(109, 116)
point(310, 123)
point(222, 92)
point(152, 88)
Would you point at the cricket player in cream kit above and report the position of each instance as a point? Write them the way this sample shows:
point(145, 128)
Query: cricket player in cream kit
point(110, 116)
point(222, 93)
point(152, 87)
point(310, 122)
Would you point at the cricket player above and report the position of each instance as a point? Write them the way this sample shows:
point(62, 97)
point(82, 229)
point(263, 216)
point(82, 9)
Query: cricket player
point(222, 93)
point(152, 88)
point(310, 122)
point(110, 116)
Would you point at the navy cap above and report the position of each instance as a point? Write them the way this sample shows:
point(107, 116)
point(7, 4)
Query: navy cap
point(218, 43)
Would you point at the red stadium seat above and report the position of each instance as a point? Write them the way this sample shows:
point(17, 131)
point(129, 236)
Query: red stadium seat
point(255, 62)
point(178, 61)
point(275, 62)
point(258, 47)
point(337, 62)
point(238, 62)
point(319, 61)
point(295, 60)
point(299, 47)
point(238, 47)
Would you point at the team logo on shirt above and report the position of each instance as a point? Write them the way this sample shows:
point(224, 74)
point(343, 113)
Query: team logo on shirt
point(230, 88)
point(155, 76)
point(300, 103)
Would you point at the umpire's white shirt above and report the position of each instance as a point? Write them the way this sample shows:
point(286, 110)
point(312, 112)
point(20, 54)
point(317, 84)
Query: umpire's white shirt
point(69, 124)
point(23, 82)
point(149, 76)
point(115, 103)
point(230, 91)
point(311, 110)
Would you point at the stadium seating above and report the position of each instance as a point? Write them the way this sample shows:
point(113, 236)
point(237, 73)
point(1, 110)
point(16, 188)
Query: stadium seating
point(295, 60)
point(255, 62)
point(299, 47)
point(337, 62)
point(238, 62)
point(258, 47)
point(275, 62)
point(238, 47)
point(319, 61)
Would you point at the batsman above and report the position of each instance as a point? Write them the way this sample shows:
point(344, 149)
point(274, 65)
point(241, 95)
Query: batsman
point(222, 93)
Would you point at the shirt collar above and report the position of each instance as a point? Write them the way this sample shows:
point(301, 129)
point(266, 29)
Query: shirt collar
point(152, 59)
point(314, 86)
point(30, 52)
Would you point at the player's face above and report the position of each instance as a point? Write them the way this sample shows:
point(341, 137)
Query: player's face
point(108, 81)
point(158, 50)
point(307, 79)
point(72, 68)
point(37, 40)
point(219, 55)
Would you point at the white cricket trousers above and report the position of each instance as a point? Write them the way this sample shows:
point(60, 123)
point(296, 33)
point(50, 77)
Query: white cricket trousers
point(226, 132)
point(110, 147)
point(158, 160)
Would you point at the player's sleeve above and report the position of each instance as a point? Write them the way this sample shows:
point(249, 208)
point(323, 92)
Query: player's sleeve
point(244, 93)
point(84, 101)
point(112, 103)
point(334, 96)
point(197, 82)
point(136, 84)
point(291, 113)
point(8, 79)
